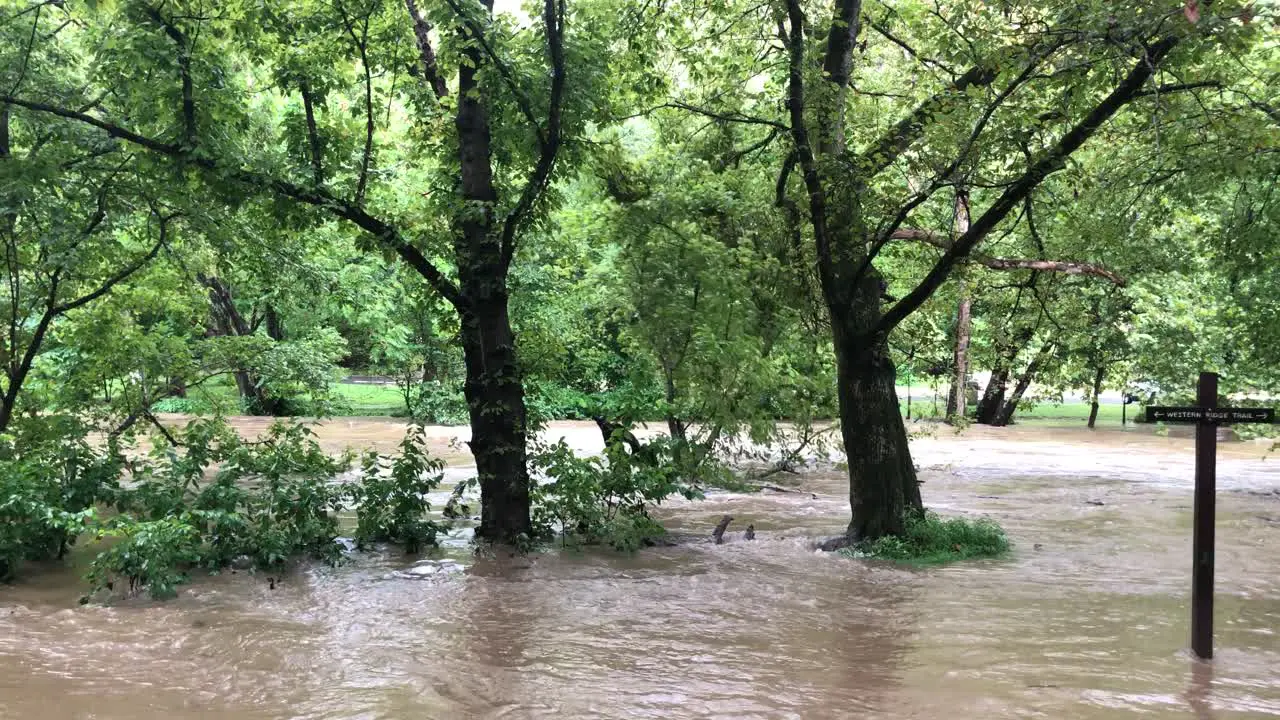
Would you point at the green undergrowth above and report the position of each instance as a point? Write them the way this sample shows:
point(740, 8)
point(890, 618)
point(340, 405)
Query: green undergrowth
point(934, 540)
point(202, 500)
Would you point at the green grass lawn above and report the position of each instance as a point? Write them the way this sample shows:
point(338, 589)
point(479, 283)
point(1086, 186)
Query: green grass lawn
point(349, 400)
point(1071, 413)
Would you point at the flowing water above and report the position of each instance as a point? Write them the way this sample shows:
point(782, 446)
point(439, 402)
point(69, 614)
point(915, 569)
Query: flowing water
point(1086, 619)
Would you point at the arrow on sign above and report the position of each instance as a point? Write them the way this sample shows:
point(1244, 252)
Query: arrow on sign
point(1217, 416)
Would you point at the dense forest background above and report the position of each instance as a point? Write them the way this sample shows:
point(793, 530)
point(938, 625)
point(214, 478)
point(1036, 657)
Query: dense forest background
point(731, 218)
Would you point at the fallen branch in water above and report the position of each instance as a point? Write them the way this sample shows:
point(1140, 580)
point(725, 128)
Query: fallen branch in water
point(831, 544)
point(718, 533)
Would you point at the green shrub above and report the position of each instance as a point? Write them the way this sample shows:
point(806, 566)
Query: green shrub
point(152, 554)
point(391, 502)
point(268, 501)
point(50, 480)
point(210, 501)
point(932, 540)
point(606, 499)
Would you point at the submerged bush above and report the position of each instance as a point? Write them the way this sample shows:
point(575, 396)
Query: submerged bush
point(391, 502)
point(50, 480)
point(203, 498)
point(606, 499)
point(932, 540)
point(267, 501)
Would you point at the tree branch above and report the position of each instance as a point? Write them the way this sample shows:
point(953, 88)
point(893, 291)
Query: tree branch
point(361, 43)
point(803, 148)
point(119, 277)
point(1049, 162)
point(938, 240)
point(735, 117)
point(1178, 87)
point(382, 232)
point(184, 68)
point(426, 55)
point(313, 134)
point(884, 31)
point(733, 158)
point(906, 131)
point(550, 141)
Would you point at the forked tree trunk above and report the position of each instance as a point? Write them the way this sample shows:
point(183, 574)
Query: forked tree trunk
point(228, 322)
point(993, 397)
point(1005, 416)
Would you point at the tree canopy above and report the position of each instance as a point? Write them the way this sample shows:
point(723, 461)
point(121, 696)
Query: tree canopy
point(738, 219)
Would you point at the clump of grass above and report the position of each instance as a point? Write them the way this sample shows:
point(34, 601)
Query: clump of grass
point(932, 540)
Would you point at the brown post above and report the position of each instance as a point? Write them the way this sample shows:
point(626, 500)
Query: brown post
point(1202, 540)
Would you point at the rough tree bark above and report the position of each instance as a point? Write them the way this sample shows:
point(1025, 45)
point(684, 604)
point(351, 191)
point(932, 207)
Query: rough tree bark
point(483, 249)
point(956, 402)
point(956, 406)
point(993, 396)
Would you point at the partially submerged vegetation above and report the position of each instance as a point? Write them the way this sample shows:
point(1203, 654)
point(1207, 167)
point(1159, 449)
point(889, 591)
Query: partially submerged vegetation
point(204, 499)
point(717, 215)
point(933, 540)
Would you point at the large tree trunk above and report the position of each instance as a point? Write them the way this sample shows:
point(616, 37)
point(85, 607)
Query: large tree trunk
point(993, 397)
point(956, 401)
point(883, 488)
point(1097, 390)
point(494, 391)
point(495, 401)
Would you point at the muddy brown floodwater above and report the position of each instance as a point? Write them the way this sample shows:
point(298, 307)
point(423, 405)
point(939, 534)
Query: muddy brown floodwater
point(1086, 619)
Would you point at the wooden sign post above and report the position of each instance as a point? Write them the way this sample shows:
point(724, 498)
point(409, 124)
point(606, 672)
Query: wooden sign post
point(1207, 417)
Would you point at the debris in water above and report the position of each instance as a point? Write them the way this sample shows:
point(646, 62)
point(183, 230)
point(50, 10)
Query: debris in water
point(425, 569)
point(718, 533)
point(1094, 502)
point(750, 534)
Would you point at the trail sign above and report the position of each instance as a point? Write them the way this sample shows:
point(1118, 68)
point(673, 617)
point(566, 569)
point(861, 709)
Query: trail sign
point(1207, 417)
point(1215, 416)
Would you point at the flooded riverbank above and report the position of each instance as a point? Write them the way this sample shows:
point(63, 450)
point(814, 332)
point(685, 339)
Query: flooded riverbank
point(1086, 619)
